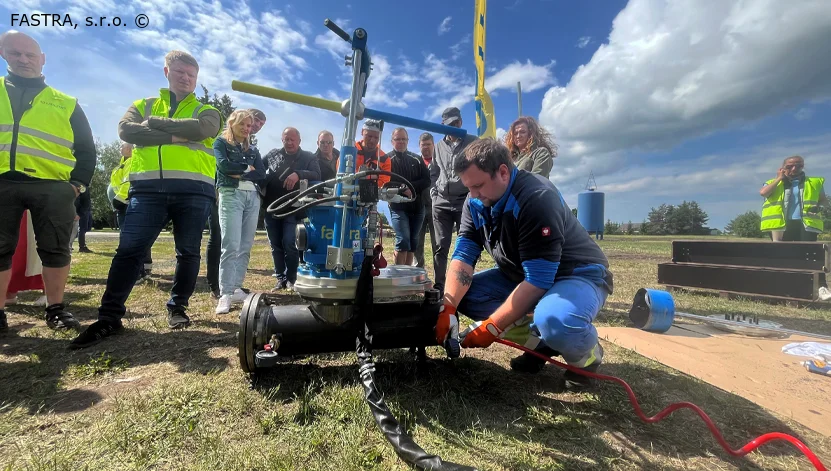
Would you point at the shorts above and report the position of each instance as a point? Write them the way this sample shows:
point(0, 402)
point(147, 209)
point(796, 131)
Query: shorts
point(52, 205)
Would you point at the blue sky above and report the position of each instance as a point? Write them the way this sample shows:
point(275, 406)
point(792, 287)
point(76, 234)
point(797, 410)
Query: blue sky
point(663, 101)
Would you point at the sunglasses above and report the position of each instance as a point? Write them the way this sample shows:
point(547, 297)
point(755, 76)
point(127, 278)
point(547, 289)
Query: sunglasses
point(326, 142)
point(795, 166)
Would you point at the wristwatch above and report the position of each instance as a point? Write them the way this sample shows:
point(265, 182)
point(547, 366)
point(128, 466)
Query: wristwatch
point(80, 186)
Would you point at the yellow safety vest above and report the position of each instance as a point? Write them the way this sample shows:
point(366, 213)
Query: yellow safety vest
point(120, 180)
point(773, 210)
point(183, 161)
point(44, 142)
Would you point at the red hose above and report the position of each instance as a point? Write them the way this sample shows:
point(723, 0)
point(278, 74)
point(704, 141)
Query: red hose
point(752, 445)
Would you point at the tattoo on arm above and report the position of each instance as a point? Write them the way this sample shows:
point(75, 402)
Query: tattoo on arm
point(464, 278)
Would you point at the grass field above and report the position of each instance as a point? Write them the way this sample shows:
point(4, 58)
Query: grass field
point(162, 400)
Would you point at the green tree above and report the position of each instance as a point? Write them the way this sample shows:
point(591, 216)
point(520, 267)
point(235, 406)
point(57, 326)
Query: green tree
point(686, 218)
point(108, 157)
point(611, 228)
point(574, 211)
point(746, 225)
point(629, 229)
point(644, 227)
point(223, 103)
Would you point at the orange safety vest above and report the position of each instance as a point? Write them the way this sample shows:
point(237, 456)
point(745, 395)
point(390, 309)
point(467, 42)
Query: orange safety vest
point(379, 161)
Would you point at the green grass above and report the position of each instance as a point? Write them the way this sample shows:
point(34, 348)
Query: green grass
point(162, 400)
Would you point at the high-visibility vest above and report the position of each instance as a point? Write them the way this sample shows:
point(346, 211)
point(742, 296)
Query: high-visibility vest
point(192, 160)
point(773, 210)
point(42, 141)
point(380, 161)
point(120, 180)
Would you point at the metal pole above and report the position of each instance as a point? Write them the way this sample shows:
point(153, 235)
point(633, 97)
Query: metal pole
point(519, 97)
point(753, 326)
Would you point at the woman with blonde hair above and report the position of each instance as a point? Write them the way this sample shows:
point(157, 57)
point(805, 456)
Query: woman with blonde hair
point(531, 146)
point(238, 169)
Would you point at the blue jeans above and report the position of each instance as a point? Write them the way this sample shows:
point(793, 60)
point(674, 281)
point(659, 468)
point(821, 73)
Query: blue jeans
point(283, 246)
point(562, 318)
point(147, 214)
point(407, 226)
point(238, 214)
point(148, 256)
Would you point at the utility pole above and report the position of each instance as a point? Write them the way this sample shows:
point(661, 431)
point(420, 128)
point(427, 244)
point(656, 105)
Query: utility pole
point(519, 97)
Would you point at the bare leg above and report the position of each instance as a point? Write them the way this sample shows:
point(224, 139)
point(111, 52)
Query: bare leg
point(5, 277)
point(54, 282)
point(400, 258)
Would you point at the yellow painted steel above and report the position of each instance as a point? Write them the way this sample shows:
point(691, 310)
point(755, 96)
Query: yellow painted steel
point(283, 95)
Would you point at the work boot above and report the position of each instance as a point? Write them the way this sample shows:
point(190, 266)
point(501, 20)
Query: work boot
point(98, 331)
point(84, 249)
point(177, 319)
point(576, 382)
point(532, 364)
point(58, 319)
point(824, 294)
point(281, 285)
point(4, 324)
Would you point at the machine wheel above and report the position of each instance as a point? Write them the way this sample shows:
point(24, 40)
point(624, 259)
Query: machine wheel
point(247, 323)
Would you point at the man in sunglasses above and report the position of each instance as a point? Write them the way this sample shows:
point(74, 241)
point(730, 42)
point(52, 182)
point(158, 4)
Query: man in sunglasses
point(791, 211)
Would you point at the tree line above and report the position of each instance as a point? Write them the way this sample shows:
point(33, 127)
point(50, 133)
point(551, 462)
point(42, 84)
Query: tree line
point(686, 218)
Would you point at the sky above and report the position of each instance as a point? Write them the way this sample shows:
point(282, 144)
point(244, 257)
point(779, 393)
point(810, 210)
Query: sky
point(662, 101)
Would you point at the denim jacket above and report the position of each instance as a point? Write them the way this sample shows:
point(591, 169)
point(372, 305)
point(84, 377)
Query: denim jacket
point(232, 160)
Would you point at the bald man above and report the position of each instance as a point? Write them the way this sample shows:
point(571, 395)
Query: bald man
point(285, 167)
point(46, 161)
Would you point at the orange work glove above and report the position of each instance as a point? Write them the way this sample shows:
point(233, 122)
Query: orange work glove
point(481, 334)
point(443, 323)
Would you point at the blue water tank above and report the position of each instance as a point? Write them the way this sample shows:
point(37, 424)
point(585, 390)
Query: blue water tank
point(590, 207)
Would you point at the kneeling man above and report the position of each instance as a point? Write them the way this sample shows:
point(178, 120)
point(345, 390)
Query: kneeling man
point(546, 265)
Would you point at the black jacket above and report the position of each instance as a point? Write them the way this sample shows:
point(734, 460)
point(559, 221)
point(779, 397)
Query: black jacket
point(22, 92)
point(279, 165)
point(410, 166)
point(328, 168)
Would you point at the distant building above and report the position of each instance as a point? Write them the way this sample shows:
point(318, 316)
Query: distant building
point(636, 228)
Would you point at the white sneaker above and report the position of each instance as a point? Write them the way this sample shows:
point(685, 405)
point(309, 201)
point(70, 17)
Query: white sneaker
point(290, 286)
point(824, 293)
point(224, 304)
point(239, 296)
point(41, 301)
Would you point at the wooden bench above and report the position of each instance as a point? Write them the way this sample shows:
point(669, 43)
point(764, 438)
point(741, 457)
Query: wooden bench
point(790, 271)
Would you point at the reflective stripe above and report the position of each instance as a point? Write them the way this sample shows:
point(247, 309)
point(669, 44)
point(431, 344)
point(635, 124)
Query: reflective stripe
point(44, 155)
point(196, 111)
point(175, 174)
point(192, 145)
point(6, 127)
point(776, 203)
point(47, 137)
point(775, 216)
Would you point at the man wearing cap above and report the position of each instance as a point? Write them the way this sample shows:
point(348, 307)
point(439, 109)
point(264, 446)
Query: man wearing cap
point(448, 193)
point(369, 154)
point(47, 158)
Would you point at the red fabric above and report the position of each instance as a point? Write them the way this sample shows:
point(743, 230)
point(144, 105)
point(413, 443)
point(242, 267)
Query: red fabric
point(19, 281)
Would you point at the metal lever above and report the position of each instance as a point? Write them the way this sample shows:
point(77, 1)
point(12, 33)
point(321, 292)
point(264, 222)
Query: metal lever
point(336, 29)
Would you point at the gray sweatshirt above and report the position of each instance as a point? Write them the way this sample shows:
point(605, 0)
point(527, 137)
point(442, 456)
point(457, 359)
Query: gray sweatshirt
point(449, 191)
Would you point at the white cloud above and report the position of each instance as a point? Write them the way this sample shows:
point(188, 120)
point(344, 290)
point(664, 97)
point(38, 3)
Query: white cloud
point(804, 114)
point(445, 25)
point(500, 133)
point(584, 41)
point(676, 70)
point(456, 88)
point(458, 50)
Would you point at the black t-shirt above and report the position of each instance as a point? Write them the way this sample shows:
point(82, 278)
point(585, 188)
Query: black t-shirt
point(533, 222)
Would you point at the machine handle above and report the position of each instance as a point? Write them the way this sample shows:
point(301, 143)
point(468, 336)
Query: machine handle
point(336, 29)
